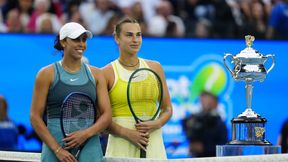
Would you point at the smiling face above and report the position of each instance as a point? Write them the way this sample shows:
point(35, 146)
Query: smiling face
point(74, 47)
point(129, 38)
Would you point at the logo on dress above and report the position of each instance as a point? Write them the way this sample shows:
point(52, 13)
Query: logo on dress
point(72, 80)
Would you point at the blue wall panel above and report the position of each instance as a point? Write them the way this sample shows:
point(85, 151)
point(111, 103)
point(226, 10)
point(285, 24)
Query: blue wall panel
point(190, 65)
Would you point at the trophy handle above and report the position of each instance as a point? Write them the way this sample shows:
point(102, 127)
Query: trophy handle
point(273, 62)
point(224, 59)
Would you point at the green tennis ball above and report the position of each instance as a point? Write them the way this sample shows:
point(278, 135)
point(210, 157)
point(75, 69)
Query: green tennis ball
point(211, 77)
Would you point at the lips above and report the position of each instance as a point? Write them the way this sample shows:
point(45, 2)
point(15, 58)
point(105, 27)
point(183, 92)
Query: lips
point(134, 46)
point(80, 50)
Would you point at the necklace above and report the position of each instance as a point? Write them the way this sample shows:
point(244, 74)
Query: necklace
point(67, 68)
point(122, 63)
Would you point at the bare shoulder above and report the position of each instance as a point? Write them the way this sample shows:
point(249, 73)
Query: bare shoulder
point(46, 73)
point(100, 72)
point(109, 75)
point(108, 70)
point(96, 71)
point(153, 64)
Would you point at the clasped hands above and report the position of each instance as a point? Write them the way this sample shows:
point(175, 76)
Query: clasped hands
point(140, 136)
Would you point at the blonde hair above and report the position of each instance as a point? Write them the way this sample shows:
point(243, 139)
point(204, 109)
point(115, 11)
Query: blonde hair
point(117, 28)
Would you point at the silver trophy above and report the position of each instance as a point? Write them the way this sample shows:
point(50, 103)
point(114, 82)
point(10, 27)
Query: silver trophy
point(249, 127)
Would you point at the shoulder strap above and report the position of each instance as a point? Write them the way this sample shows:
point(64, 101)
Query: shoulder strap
point(144, 63)
point(57, 65)
point(56, 74)
point(89, 73)
point(115, 68)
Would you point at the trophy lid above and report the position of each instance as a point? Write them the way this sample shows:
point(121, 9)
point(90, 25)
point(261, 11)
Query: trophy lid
point(249, 52)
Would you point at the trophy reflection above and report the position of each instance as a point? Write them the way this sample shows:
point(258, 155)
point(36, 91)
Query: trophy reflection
point(248, 128)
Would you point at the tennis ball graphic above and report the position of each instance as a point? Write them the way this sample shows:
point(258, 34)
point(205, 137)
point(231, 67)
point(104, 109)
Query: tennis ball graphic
point(211, 77)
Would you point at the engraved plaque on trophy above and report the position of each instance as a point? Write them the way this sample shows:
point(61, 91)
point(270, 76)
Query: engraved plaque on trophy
point(248, 128)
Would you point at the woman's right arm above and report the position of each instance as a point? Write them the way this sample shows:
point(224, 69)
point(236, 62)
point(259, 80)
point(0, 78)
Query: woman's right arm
point(43, 81)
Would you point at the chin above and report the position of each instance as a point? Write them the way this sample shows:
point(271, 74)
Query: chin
point(78, 56)
point(134, 51)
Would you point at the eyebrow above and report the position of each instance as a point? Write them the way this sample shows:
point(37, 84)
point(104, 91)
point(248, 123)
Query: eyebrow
point(133, 33)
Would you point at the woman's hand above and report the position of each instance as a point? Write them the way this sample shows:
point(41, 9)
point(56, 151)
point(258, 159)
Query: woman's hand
point(65, 156)
point(138, 138)
point(75, 139)
point(148, 126)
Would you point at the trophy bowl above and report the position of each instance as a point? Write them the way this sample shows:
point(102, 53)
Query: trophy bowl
point(248, 128)
point(249, 63)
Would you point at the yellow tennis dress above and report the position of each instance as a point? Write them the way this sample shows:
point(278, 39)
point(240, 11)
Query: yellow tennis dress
point(120, 147)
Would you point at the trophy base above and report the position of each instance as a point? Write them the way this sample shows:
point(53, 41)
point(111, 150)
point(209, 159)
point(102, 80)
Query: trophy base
point(237, 142)
point(248, 131)
point(240, 150)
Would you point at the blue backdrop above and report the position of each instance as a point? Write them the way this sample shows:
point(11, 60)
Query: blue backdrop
point(190, 65)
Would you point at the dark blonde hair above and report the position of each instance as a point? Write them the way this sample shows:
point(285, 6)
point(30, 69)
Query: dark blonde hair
point(117, 27)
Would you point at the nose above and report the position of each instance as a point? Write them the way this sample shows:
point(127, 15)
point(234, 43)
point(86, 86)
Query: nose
point(82, 42)
point(135, 38)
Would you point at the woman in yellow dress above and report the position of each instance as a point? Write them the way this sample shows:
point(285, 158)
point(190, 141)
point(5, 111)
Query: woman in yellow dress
point(126, 136)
